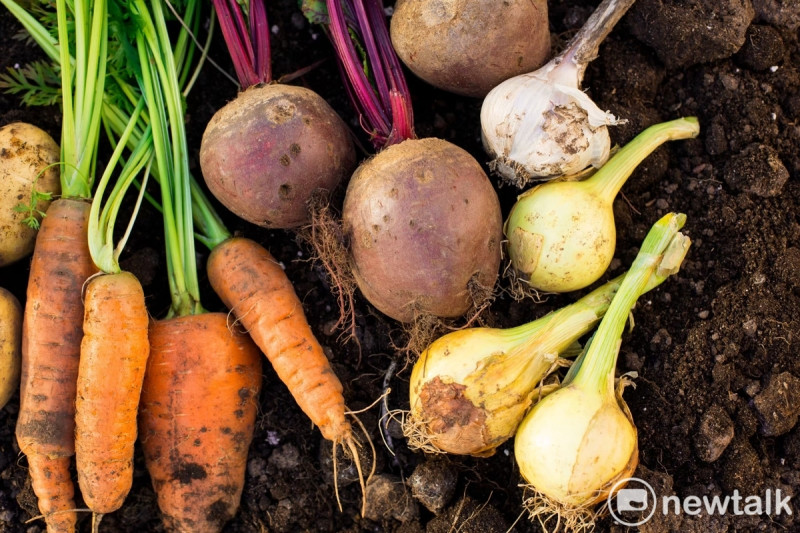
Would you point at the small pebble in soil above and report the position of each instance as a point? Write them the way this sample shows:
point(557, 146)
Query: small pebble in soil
point(778, 405)
point(714, 434)
point(286, 457)
point(468, 516)
point(742, 470)
point(757, 170)
point(633, 361)
point(433, 483)
point(750, 327)
point(388, 497)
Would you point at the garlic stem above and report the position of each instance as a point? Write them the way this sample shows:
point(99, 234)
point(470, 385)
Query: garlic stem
point(608, 181)
point(663, 242)
point(584, 45)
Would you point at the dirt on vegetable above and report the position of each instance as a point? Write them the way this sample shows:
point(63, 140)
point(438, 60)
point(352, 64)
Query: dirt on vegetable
point(715, 348)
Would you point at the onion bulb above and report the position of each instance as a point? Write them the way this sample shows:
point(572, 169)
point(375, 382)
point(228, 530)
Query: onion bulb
point(561, 234)
point(580, 441)
point(541, 125)
point(470, 388)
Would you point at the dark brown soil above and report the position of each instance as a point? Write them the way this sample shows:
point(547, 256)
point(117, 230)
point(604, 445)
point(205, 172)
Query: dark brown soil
point(716, 347)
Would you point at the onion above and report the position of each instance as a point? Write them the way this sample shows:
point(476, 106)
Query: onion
point(580, 441)
point(540, 124)
point(561, 235)
point(470, 388)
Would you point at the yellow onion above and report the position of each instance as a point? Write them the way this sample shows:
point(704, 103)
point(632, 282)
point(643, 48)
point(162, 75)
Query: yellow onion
point(561, 235)
point(580, 441)
point(470, 388)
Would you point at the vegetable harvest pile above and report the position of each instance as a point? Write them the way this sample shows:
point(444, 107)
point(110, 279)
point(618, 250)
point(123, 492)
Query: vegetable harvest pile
point(276, 266)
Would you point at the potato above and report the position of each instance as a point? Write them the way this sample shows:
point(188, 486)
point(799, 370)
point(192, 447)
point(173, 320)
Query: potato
point(469, 46)
point(424, 224)
point(25, 151)
point(10, 345)
point(266, 153)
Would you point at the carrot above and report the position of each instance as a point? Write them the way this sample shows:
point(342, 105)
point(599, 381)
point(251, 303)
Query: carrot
point(52, 325)
point(51, 339)
point(113, 358)
point(199, 397)
point(255, 288)
point(197, 418)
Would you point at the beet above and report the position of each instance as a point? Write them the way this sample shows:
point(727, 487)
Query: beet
point(469, 46)
point(266, 153)
point(424, 225)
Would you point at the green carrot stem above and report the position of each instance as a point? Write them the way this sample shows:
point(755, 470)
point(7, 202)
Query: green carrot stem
point(211, 229)
point(82, 87)
point(101, 224)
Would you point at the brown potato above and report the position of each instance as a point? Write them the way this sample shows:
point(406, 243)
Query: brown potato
point(268, 151)
point(423, 221)
point(10, 345)
point(469, 46)
point(25, 151)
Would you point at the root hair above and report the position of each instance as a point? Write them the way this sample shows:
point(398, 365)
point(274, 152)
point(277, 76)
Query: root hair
point(554, 516)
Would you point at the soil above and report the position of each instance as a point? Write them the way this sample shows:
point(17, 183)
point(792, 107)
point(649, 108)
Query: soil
point(715, 347)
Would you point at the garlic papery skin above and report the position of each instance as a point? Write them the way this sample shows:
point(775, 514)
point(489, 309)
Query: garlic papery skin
point(541, 125)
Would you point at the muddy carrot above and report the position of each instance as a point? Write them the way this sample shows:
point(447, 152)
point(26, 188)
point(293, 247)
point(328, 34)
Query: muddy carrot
point(201, 387)
point(197, 418)
point(112, 364)
point(60, 265)
point(51, 339)
point(254, 286)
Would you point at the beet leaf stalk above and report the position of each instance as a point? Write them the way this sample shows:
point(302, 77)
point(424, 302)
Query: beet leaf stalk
point(369, 66)
point(247, 39)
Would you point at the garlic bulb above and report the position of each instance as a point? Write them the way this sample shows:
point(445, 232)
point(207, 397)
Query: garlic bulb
point(541, 125)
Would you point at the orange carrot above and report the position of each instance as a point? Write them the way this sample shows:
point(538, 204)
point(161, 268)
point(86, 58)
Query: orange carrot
point(255, 288)
point(113, 359)
point(51, 339)
point(197, 417)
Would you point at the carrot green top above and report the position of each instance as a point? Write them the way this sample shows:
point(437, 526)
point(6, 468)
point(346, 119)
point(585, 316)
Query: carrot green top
point(82, 86)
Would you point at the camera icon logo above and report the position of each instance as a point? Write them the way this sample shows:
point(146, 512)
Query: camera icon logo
point(631, 500)
point(636, 495)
